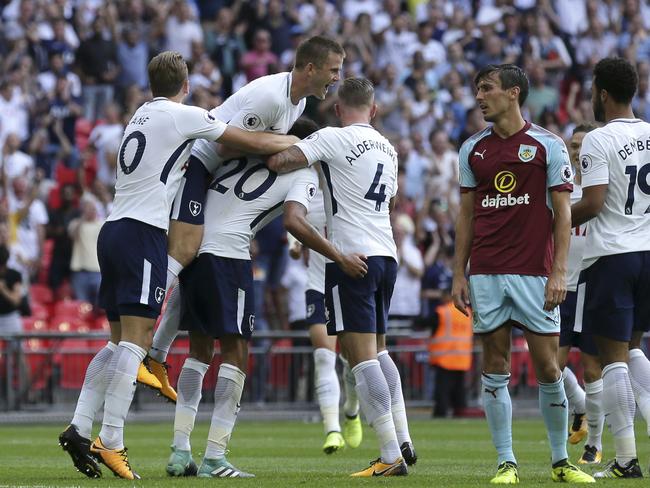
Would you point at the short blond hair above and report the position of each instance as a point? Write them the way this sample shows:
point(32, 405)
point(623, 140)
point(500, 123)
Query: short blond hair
point(167, 73)
point(356, 92)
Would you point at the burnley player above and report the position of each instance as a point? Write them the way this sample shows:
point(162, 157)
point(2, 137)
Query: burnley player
point(514, 229)
point(615, 281)
point(132, 252)
point(271, 103)
point(360, 168)
point(217, 294)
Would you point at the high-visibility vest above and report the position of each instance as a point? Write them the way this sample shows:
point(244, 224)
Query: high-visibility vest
point(451, 346)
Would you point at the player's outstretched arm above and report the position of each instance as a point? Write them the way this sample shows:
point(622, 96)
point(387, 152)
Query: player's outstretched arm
point(555, 291)
point(589, 206)
point(255, 142)
point(288, 160)
point(295, 221)
point(464, 237)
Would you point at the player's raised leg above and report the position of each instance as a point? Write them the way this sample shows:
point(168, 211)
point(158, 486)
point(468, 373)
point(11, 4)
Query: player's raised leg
point(352, 429)
point(576, 398)
point(640, 377)
point(593, 450)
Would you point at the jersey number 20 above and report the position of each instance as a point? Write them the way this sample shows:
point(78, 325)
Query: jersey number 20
point(239, 186)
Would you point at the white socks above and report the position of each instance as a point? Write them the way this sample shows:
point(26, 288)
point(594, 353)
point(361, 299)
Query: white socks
point(351, 405)
point(594, 410)
point(121, 377)
point(189, 386)
point(640, 378)
point(328, 390)
point(227, 395)
point(93, 390)
point(618, 408)
point(391, 373)
point(168, 327)
point(375, 399)
point(574, 393)
point(173, 270)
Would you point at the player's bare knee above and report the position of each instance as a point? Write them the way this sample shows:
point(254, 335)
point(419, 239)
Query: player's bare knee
point(184, 241)
point(234, 350)
point(547, 372)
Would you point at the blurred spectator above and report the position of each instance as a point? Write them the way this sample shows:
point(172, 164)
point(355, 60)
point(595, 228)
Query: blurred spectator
point(181, 29)
point(14, 114)
point(548, 49)
point(15, 162)
point(84, 265)
point(11, 294)
point(106, 138)
point(259, 61)
point(443, 180)
point(133, 57)
point(57, 230)
point(225, 45)
point(541, 96)
point(99, 67)
point(406, 294)
point(58, 69)
point(437, 274)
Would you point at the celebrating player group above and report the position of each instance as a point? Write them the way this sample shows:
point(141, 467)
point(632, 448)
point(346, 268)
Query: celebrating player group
point(223, 174)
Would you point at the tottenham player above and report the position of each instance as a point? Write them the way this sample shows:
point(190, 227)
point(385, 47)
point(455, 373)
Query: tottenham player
point(217, 294)
point(586, 404)
point(132, 251)
point(326, 381)
point(360, 168)
point(270, 103)
point(514, 220)
point(614, 285)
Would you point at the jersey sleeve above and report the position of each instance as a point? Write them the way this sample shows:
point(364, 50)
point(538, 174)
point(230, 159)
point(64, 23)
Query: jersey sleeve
point(593, 161)
point(197, 123)
point(465, 174)
point(257, 113)
point(559, 174)
point(304, 187)
point(320, 146)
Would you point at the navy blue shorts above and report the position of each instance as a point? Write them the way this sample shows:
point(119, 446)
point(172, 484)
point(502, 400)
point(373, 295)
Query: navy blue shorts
point(190, 199)
point(359, 305)
point(217, 296)
point(616, 295)
point(315, 302)
point(571, 333)
point(133, 263)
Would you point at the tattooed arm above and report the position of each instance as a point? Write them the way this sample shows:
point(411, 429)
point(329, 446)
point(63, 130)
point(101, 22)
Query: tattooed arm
point(288, 160)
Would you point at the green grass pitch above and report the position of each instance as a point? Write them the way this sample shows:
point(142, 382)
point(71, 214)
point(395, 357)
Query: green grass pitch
point(452, 453)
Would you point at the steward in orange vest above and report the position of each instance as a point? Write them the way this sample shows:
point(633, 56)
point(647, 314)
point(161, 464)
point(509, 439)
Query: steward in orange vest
point(451, 344)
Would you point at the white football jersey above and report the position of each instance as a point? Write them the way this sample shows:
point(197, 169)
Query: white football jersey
point(155, 146)
point(316, 268)
point(618, 155)
point(263, 104)
point(360, 168)
point(577, 246)
point(243, 197)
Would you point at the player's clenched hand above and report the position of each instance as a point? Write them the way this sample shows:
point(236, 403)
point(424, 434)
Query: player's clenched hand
point(460, 293)
point(354, 265)
point(555, 290)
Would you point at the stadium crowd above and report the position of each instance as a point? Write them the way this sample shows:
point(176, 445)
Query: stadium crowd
point(74, 71)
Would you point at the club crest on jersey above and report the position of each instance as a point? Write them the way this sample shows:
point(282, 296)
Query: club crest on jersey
point(251, 121)
point(311, 308)
point(210, 119)
point(195, 208)
point(159, 294)
point(526, 152)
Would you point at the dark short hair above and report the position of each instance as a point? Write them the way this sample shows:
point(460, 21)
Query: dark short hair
point(618, 77)
point(316, 50)
point(510, 75)
point(167, 72)
point(303, 127)
point(583, 128)
point(356, 92)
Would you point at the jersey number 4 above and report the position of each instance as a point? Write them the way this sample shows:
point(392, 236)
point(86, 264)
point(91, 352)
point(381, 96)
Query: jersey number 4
point(239, 186)
point(378, 197)
point(640, 176)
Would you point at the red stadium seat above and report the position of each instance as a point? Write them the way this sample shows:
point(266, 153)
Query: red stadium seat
point(72, 358)
point(73, 308)
point(39, 311)
point(36, 353)
point(39, 293)
point(67, 323)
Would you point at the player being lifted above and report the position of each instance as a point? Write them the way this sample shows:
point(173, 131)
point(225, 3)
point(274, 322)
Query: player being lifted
point(614, 285)
point(271, 103)
point(586, 404)
point(360, 168)
point(514, 221)
point(217, 294)
point(132, 251)
point(326, 381)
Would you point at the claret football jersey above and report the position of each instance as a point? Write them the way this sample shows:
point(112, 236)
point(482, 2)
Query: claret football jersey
point(513, 179)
